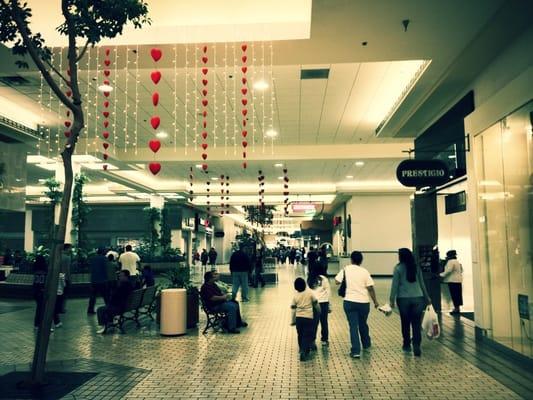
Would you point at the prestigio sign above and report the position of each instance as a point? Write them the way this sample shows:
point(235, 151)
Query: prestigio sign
point(307, 208)
point(417, 173)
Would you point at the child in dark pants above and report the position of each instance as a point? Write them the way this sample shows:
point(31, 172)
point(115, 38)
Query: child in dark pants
point(305, 305)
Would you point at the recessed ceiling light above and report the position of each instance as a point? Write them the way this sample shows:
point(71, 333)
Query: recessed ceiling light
point(260, 85)
point(349, 176)
point(359, 163)
point(214, 178)
point(105, 88)
point(271, 133)
point(162, 135)
point(199, 166)
point(278, 165)
point(280, 177)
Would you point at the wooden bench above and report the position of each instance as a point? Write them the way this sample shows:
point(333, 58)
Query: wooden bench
point(139, 302)
point(215, 319)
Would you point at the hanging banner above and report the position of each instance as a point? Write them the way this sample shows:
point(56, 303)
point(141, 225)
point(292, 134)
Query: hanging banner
point(419, 173)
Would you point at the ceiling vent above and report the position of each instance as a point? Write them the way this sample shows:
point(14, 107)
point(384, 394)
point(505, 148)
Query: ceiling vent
point(15, 81)
point(322, 73)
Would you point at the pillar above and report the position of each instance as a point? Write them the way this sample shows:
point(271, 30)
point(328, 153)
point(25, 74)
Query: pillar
point(28, 231)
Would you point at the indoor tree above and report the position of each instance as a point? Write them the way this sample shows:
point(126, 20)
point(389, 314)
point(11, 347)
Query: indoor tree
point(89, 21)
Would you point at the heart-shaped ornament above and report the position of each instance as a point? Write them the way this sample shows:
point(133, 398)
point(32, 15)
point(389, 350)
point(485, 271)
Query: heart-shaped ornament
point(204, 134)
point(204, 156)
point(205, 71)
point(244, 47)
point(106, 104)
point(243, 154)
point(105, 114)
point(107, 62)
point(107, 52)
point(154, 145)
point(106, 123)
point(68, 123)
point(105, 156)
point(284, 170)
point(155, 99)
point(104, 167)
point(204, 167)
point(244, 80)
point(244, 133)
point(156, 76)
point(106, 94)
point(244, 111)
point(106, 145)
point(244, 102)
point(106, 82)
point(154, 167)
point(204, 92)
point(244, 58)
point(68, 93)
point(205, 59)
point(204, 49)
point(244, 164)
point(204, 146)
point(244, 69)
point(204, 124)
point(155, 121)
point(107, 72)
point(105, 134)
point(286, 186)
point(67, 134)
point(244, 91)
point(244, 122)
point(244, 143)
point(68, 113)
point(156, 55)
point(204, 113)
point(68, 72)
point(205, 82)
point(205, 102)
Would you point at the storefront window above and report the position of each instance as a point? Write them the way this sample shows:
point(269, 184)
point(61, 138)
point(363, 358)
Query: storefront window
point(504, 167)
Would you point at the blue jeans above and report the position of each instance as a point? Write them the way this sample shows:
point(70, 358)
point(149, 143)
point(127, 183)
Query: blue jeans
point(233, 311)
point(357, 314)
point(239, 279)
point(411, 311)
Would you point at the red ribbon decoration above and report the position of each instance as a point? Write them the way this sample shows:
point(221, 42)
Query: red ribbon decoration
point(244, 102)
point(155, 120)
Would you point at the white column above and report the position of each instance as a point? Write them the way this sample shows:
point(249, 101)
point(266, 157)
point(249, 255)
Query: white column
point(60, 177)
point(28, 231)
point(176, 239)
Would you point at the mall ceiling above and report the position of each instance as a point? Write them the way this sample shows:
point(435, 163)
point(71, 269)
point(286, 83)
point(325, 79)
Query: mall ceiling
point(324, 125)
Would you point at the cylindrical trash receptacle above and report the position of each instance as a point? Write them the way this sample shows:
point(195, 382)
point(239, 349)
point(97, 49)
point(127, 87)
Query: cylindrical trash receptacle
point(173, 312)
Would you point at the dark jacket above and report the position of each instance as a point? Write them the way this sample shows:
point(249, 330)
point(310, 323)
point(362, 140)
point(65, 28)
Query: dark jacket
point(204, 257)
point(212, 256)
point(98, 268)
point(239, 262)
point(119, 297)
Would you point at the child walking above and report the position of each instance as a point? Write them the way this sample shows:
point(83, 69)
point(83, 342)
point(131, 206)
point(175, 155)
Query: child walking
point(307, 310)
point(319, 284)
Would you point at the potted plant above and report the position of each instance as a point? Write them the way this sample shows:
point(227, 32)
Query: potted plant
point(180, 277)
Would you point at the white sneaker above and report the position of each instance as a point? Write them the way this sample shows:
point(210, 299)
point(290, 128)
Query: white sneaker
point(101, 330)
point(59, 325)
point(51, 329)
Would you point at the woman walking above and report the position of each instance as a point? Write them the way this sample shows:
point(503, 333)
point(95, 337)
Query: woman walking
point(453, 276)
point(319, 284)
point(409, 291)
point(359, 290)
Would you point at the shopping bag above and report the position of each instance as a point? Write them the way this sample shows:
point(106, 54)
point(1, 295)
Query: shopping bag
point(385, 309)
point(430, 323)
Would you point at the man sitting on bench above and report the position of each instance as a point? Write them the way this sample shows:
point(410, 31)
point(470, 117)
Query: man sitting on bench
point(117, 301)
point(216, 301)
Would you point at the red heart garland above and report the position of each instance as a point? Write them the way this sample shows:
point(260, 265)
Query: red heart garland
point(156, 55)
point(205, 124)
point(243, 122)
point(205, 71)
point(204, 167)
point(106, 82)
point(204, 146)
point(244, 165)
point(204, 135)
point(105, 114)
point(205, 59)
point(205, 82)
point(155, 121)
point(204, 49)
point(244, 102)
point(244, 58)
point(68, 113)
point(107, 52)
point(106, 94)
point(105, 134)
point(107, 72)
point(106, 123)
point(154, 145)
point(67, 134)
point(244, 143)
point(244, 133)
point(106, 145)
point(156, 77)
point(155, 99)
point(243, 154)
point(68, 123)
point(205, 102)
point(204, 156)
point(107, 63)
point(104, 167)
point(106, 156)
point(244, 47)
point(204, 114)
point(154, 167)
point(244, 111)
point(204, 92)
point(244, 80)
point(244, 69)
point(68, 93)
point(244, 91)
point(106, 104)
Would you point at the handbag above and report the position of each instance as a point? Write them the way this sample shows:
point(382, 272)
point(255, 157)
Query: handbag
point(342, 287)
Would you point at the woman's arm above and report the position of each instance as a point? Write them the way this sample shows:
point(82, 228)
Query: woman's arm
point(372, 294)
point(394, 286)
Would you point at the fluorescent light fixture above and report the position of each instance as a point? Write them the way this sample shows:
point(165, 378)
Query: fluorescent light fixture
point(271, 133)
point(260, 85)
point(280, 178)
point(105, 88)
point(349, 176)
point(39, 160)
point(452, 156)
point(359, 163)
point(214, 178)
point(199, 166)
point(278, 165)
point(161, 135)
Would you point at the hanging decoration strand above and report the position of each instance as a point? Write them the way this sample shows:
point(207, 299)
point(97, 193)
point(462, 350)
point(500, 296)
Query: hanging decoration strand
point(155, 121)
point(136, 112)
point(244, 102)
point(175, 96)
point(205, 103)
point(186, 135)
point(115, 75)
point(106, 81)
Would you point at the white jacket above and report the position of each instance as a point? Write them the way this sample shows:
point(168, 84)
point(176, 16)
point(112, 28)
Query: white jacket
point(453, 272)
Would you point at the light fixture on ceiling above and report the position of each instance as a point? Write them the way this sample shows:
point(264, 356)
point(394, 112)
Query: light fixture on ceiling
point(280, 178)
point(199, 166)
point(260, 85)
point(271, 133)
point(359, 163)
point(161, 135)
point(105, 88)
point(214, 178)
point(278, 165)
point(349, 176)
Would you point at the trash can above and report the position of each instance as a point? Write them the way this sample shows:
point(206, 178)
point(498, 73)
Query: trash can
point(173, 312)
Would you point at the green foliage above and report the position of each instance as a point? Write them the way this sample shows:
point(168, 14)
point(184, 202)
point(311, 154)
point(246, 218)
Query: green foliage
point(153, 239)
point(80, 209)
point(178, 277)
point(260, 215)
point(166, 235)
point(53, 193)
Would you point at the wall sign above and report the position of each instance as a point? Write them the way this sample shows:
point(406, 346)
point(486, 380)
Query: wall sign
point(419, 173)
point(454, 203)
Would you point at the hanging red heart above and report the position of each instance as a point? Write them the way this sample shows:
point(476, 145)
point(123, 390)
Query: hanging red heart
point(244, 47)
point(204, 156)
point(106, 145)
point(204, 134)
point(204, 92)
point(244, 69)
point(284, 170)
point(106, 156)
point(205, 82)
point(68, 93)
point(244, 133)
point(244, 58)
point(106, 123)
point(244, 143)
point(68, 72)
point(244, 91)
point(204, 113)
point(204, 167)
point(204, 146)
point(104, 167)
point(106, 104)
point(107, 63)
point(205, 124)
point(155, 121)
point(105, 114)
point(286, 179)
point(205, 59)
point(107, 72)
point(68, 123)
point(244, 80)
point(205, 102)
point(155, 99)
point(107, 52)
point(106, 94)
point(67, 133)
point(244, 111)
point(244, 165)
point(286, 186)
point(106, 82)
point(156, 54)
point(156, 77)
point(243, 122)
point(204, 49)
point(155, 167)
point(155, 145)
point(244, 102)
point(205, 71)
point(105, 134)
point(243, 154)
point(68, 113)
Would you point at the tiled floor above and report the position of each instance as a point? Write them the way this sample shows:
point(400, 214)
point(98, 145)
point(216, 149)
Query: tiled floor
point(260, 363)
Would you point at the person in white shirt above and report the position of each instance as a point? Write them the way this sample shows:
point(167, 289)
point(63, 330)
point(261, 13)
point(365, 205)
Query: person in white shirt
point(453, 276)
point(306, 309)
point(130, 260)
point(319, 284)
point(359, 290)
